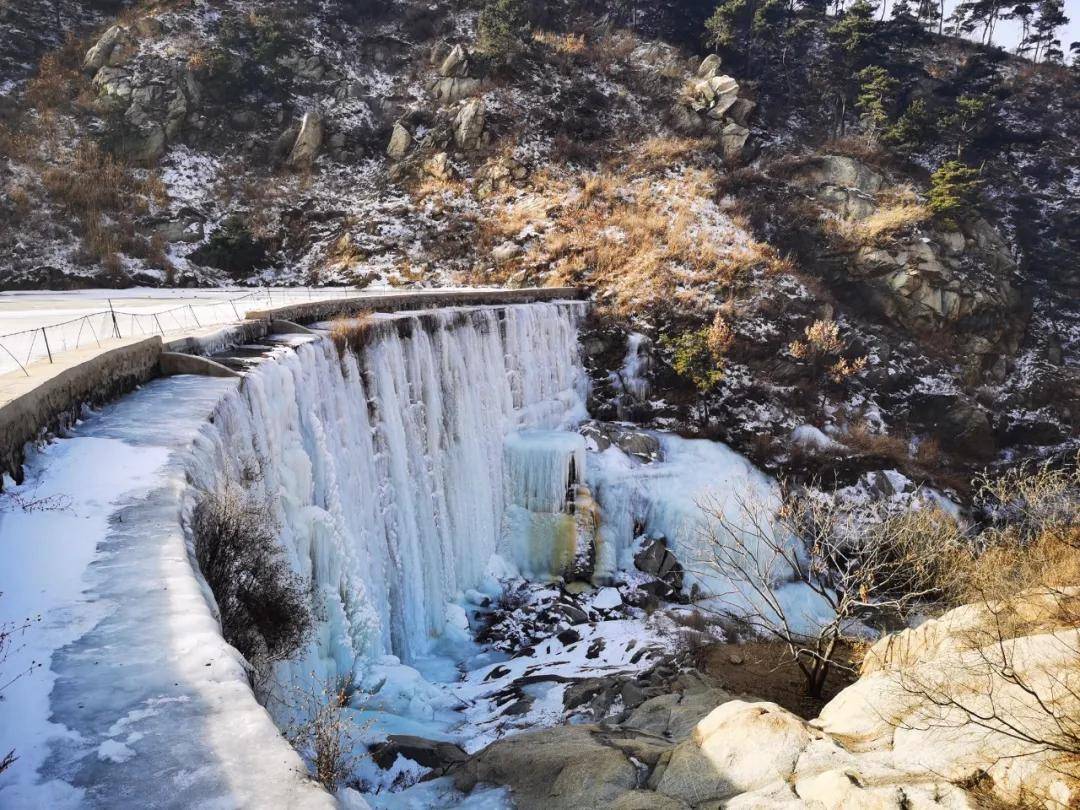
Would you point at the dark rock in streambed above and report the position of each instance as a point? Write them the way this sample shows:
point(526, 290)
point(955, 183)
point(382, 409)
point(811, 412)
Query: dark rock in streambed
point(434, 754)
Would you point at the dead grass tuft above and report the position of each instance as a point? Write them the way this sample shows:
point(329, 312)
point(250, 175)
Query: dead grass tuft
point(899, 209)
point(351, 333)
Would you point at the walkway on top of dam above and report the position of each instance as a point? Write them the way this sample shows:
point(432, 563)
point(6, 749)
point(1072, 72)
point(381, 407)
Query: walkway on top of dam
point(47, 394)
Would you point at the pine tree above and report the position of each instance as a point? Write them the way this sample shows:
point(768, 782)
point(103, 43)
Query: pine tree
point(501, 27)
point(912, 130)
point(954, 192)
point(961, 125)
point(974, 13)
point(855, 32)
point(929, 14)
point(1022, 12)
point(1051, 17)
point(876, 91)
point(852, 39)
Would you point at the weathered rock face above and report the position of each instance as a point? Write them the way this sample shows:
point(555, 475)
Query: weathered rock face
point(153, 103)
point(469, 124)
point(308, 141)
point(927, 279)
point(915, 703)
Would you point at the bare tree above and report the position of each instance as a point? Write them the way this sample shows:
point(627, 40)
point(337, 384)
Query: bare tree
point(858, 563)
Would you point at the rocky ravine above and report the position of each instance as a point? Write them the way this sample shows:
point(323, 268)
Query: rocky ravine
point(880, 743)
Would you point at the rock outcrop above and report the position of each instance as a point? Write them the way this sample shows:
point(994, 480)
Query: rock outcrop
point(711, 103)
point(308, 141)
point(923, 278)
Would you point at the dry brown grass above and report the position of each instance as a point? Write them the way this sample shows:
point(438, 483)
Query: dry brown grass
point(59, 80)
point(1035, 540)
point(351, 333)
point(643, 241)
point(855, 147)
point(899, 209)
point(860, 438)
point(566, 44)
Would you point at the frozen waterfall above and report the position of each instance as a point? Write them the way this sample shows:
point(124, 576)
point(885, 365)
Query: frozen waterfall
point(386, 472)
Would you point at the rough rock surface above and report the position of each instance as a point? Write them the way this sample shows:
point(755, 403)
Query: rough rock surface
point(881, 743)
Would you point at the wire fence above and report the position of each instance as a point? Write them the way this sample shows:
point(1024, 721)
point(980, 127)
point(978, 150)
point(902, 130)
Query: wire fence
point(19, 349)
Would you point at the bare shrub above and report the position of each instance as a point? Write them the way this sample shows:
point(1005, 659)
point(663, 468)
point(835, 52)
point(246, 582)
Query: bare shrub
point(264, 606)
point(861, 565)
point(351, 333)
point(1007, 663)
point(324, 732)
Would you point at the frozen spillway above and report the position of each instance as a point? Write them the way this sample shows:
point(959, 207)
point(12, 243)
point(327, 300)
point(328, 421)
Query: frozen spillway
point(385, 471)
point(549, 521)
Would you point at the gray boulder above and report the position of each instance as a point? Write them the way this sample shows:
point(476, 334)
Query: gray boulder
point(456, 63)
point(101, 53)
point(451, 89)
point(400, 141)
point(434, 754)
point(308, 141)
point(709, 67)
point(469, 124)
point(733, 141)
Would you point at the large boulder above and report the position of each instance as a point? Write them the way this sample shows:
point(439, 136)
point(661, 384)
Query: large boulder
point(963, 699)
point(564, 767)
point(400, 141)
point(308, 141)
point(716, 763)
point(113, 48)
point(469, 124)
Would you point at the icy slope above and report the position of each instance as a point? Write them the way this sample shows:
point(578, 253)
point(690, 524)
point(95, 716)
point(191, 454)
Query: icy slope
point(140, 702)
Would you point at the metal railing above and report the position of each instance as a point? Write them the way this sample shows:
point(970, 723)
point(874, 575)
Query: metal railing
point(19, 349)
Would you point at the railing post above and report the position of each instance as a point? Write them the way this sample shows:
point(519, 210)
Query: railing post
point(193, 315)
point(115, 325)
point(48, 351)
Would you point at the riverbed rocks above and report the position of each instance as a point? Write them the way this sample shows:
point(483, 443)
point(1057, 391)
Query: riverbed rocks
point(632, 441)
point(887, 741)
point(436, 755)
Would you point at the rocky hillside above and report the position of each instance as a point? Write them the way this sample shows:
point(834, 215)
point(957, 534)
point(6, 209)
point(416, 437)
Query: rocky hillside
point(769, 263)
